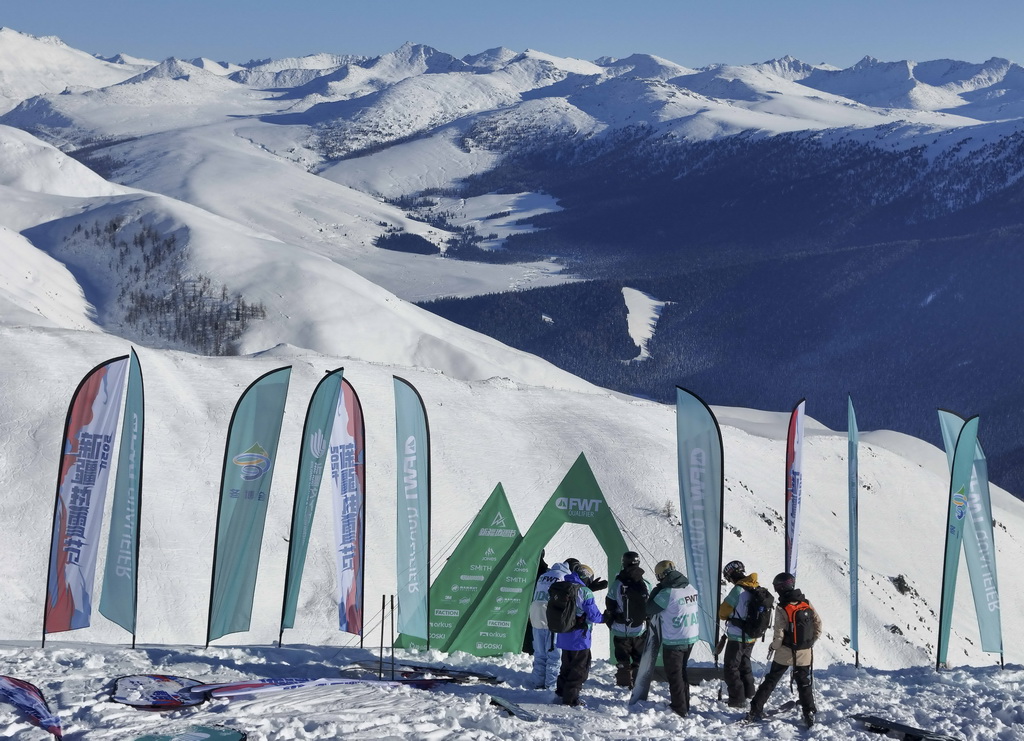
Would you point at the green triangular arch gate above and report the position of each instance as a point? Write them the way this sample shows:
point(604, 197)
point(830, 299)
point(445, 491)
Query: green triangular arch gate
point(498, 622)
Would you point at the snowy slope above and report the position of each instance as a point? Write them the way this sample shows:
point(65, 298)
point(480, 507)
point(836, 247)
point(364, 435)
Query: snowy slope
point(482, 433)
point(31, 65)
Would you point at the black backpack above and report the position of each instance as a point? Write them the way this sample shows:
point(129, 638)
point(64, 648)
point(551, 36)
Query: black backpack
point(799, 632)
point(759, 613)
point(634, 603)
point(561, 607)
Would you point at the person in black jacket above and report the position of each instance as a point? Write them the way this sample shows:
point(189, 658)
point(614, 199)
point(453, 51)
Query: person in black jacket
point(626, 616)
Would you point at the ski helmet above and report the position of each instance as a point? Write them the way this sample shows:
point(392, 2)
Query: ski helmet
point(584, 572)
point(630, 558)
point(662, 568)
point(734, 571)
point(784, 582)
point(571, 563)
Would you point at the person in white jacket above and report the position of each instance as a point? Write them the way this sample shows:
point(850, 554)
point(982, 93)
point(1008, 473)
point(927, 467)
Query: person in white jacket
point(546, 657)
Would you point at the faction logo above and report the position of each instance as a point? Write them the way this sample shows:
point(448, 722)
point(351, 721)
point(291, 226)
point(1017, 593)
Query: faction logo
point(254, 463)
point(317, 444)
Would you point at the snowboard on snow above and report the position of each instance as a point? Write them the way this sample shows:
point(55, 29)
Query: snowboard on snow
point(909, 733)
point(645, 673)
point(197, 733)
point(772, 712)
point(515, 710)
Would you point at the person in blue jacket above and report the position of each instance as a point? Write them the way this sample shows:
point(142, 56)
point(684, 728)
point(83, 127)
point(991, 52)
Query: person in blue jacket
point(575, 645)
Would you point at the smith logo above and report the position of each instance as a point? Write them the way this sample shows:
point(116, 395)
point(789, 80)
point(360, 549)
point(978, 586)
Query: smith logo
point(254, 463)
point(579, 506)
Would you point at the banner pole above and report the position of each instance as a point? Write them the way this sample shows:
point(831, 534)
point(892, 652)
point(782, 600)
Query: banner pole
point(392, 636)
point(383, 610)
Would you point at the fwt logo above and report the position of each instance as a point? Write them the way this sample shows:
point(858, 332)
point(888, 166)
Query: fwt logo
point(579, 507)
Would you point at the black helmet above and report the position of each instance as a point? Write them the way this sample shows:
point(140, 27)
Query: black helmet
point(630, 558)
point(784, 582)
point(734, 571)
point(571, 563)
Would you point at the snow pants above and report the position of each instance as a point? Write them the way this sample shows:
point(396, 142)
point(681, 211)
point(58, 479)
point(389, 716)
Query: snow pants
point(804, 688)
point(628, 650)
point(739, 676)
point(675, 658)
point(573, 673)
point(545, 659)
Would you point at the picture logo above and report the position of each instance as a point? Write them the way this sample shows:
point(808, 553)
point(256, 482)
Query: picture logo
point(318, 444)
point(254, 463)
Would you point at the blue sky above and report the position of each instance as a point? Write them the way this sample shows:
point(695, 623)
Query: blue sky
point(690, 33)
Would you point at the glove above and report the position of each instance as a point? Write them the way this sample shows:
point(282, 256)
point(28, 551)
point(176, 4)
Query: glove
point(608, 617)
point(598, 584)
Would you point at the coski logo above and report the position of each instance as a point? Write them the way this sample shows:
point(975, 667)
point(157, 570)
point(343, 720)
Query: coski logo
point(579, 507)
point(254, 463)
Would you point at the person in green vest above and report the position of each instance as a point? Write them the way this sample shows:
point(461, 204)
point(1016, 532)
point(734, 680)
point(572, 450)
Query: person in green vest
point(673, 603)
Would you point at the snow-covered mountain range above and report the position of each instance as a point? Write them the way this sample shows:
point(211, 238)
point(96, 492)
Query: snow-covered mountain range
point(222, 219)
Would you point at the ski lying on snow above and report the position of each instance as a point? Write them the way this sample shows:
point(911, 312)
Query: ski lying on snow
point(197, 733)
point(909, 733)
point(415, 670)
point(513, 709)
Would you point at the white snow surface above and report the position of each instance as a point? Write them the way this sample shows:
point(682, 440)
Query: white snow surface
point(242, 194)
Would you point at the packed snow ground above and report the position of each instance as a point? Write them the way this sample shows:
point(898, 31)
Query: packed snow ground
point(978, 703)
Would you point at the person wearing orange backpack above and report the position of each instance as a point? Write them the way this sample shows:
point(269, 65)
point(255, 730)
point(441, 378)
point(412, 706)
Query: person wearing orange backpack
point(797, 627)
